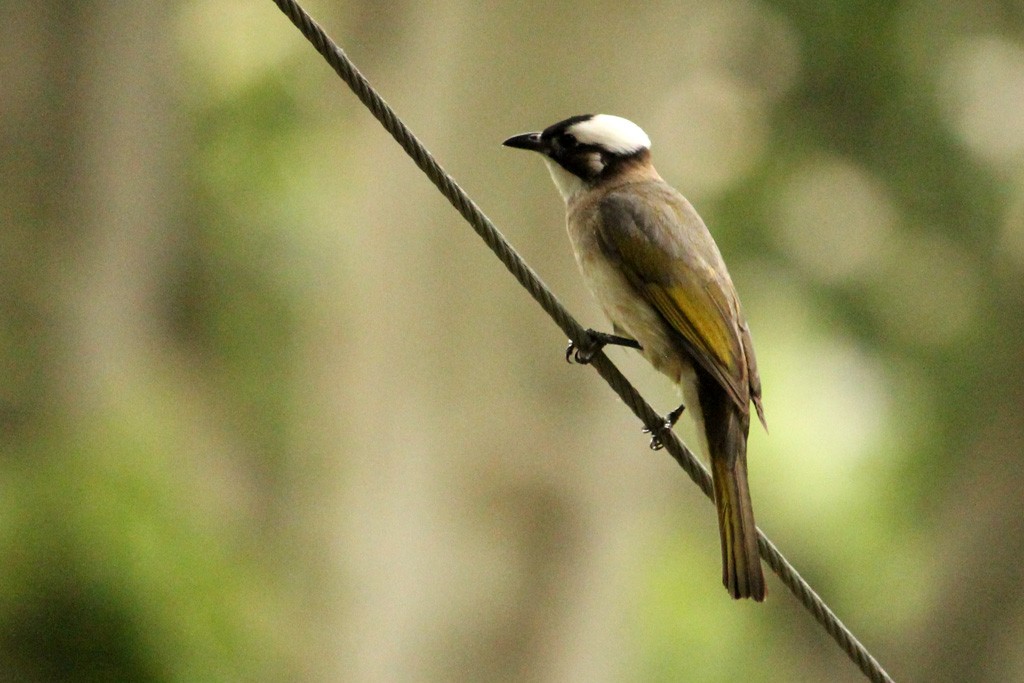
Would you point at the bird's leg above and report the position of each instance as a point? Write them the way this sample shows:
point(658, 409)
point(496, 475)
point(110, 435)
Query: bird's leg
point(593, 342)
point(670, 422)
point(674, 416)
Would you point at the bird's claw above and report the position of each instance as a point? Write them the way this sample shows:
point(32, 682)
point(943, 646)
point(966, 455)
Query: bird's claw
point(575, 352)
point(584, 351)
point(656, 443)
point(674, 416)
point(670, 421)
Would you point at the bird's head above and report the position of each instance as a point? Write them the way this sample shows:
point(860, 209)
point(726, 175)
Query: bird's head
point(583, 151)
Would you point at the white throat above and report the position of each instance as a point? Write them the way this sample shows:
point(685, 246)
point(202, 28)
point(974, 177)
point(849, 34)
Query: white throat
point(568, 184)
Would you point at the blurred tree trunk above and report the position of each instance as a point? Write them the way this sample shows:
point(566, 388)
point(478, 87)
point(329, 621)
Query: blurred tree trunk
point(90, 130)
point(126, 155)
point(484, 545)
point(89, 139)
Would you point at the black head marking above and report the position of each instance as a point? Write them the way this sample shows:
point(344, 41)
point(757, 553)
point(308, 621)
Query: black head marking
point(589, 152)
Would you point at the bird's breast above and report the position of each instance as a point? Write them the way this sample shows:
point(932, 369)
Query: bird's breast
point(622, 303)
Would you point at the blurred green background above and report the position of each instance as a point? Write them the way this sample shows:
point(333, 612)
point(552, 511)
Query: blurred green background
point(270, 411)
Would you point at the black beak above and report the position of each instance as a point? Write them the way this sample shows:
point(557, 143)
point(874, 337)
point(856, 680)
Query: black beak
point(530, 141)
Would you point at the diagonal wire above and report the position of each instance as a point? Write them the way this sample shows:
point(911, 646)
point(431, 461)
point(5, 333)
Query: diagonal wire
point(483, 226)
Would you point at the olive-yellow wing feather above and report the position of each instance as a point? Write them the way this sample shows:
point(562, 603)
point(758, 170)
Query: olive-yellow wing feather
point(668, 255)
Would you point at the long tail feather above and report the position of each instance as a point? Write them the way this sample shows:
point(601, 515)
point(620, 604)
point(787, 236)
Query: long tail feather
point(741, 563)
point(726, 428)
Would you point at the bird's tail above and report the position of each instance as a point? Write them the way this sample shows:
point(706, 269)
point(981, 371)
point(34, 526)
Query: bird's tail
point(741, 563)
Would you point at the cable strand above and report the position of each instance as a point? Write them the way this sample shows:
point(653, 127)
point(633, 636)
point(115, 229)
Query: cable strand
point(541, 293)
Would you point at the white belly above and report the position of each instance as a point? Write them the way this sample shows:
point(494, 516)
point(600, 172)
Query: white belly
point(634, 317)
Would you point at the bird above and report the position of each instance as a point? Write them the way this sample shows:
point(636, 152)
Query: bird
point(657, 274)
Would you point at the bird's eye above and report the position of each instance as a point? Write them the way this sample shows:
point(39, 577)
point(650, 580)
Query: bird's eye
point(566, 141)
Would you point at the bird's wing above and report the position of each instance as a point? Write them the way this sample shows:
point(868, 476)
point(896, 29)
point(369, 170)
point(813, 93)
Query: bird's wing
point(668, 255)
point(755, 378)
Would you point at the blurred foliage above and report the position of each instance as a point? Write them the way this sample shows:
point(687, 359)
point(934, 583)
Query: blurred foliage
point(270, 412)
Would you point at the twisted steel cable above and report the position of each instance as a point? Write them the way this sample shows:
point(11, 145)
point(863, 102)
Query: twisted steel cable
point(529, 279)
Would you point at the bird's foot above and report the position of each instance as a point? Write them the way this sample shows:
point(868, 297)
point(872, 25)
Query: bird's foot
point(583, 352)
point(670, 421)
point(674, 416)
